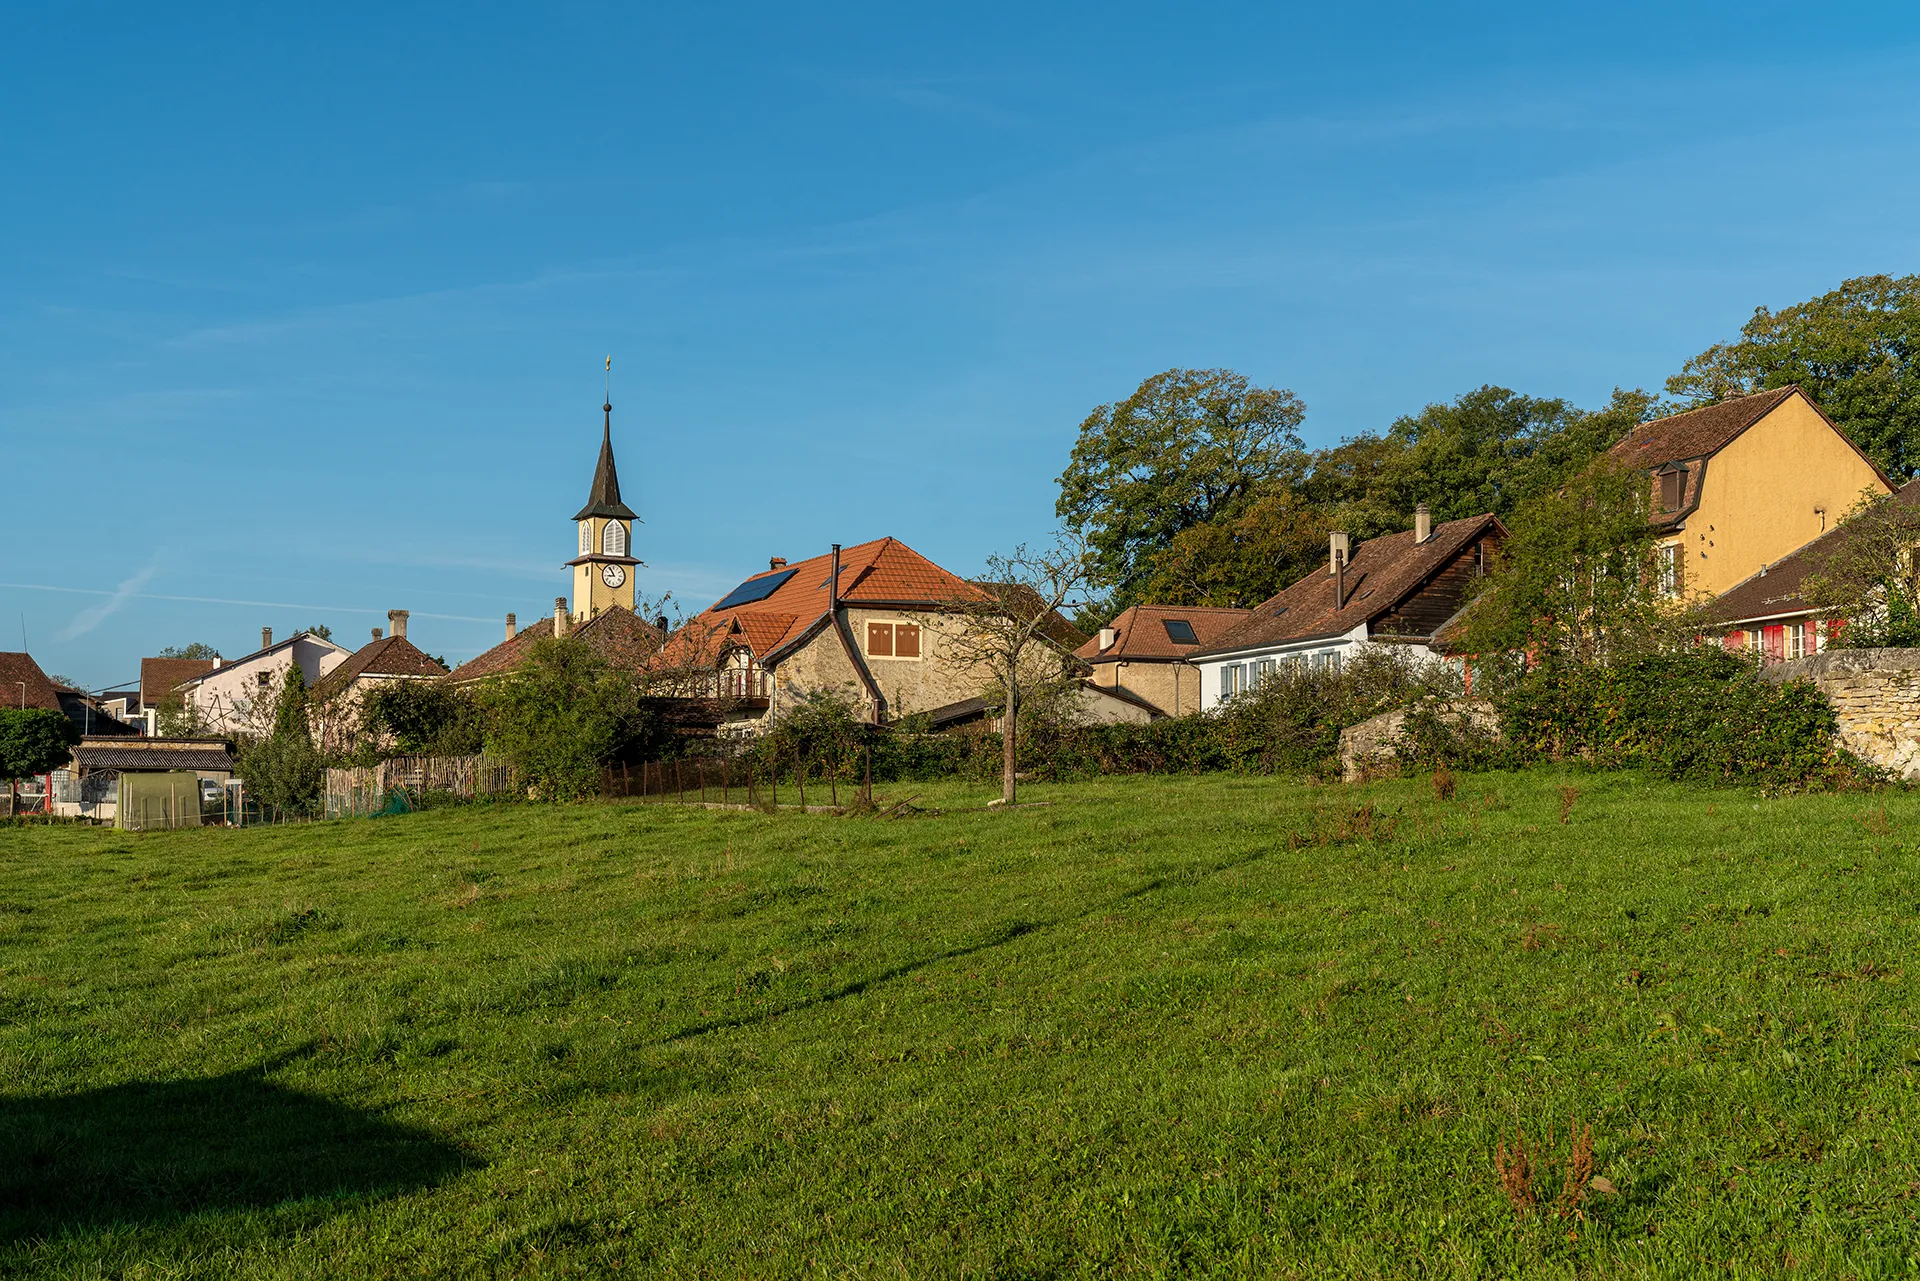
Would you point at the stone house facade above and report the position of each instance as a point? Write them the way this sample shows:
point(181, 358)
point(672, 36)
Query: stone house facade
point(1145, 652)
point(876, 623)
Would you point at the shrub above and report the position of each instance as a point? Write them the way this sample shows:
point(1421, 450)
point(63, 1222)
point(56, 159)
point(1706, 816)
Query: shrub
point(563, 716)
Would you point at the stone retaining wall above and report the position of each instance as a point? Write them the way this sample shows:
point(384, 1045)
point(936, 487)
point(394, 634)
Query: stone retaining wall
point(1876, 695)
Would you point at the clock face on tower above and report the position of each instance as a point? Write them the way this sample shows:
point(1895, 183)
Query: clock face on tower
point(612, 575)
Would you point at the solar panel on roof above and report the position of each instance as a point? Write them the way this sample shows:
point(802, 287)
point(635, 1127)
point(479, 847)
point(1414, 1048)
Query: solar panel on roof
point(1180, 631)
point(755, 589)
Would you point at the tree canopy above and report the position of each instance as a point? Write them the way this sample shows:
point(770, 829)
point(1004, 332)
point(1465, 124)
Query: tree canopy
point(1189, 446)
point(197, 650)
point(34, 741)
point(1855, 350)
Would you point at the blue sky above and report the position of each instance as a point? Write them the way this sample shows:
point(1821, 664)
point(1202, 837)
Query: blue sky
point(302, 313)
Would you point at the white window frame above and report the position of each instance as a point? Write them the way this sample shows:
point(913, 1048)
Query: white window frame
point(613, 538)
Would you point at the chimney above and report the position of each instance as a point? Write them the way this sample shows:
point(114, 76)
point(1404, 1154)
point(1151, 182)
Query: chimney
point(561, 623)
point(833, 581)
point(1108, 636)
point(376, 633)
point(512, 631)
point(217, 660)
point(266, 638)
point(398, 618)
point(1339, 547)
point(777, 562)
point(1422, 524)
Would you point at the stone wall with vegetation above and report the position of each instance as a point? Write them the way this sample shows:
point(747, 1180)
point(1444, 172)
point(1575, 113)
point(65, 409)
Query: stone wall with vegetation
point(1875, 695)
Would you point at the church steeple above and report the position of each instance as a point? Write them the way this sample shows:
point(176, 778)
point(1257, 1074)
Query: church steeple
point(603, 571)
point(604, 498)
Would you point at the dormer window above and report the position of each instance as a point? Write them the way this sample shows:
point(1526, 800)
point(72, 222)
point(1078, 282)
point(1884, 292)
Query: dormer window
point(613, 539)
point(1672, 488)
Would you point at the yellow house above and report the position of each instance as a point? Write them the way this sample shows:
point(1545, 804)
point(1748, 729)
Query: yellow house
point(1744, 483)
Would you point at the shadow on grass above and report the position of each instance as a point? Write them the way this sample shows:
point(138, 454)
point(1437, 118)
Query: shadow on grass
point(150, 1151)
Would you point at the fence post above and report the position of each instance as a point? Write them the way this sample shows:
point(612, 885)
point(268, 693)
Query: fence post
point(800, 778)
point(626, 782)
point(773, 776)
point(679, 783)
point(701, 766)
point(867, 791)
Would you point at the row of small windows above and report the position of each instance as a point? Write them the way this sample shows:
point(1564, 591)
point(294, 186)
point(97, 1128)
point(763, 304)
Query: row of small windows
point(613, 538)
point(1236, 678)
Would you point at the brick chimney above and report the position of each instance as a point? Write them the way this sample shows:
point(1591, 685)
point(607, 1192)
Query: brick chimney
point(512, 630)
point(1108, 635)
point(266, 638)
point(1422, 524)
point(777, 562)
point(376, 633)
point(562, 624)
point(398, 619)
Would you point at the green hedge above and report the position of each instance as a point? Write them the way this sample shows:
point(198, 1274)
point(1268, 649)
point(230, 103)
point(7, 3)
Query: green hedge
point(1701, 714)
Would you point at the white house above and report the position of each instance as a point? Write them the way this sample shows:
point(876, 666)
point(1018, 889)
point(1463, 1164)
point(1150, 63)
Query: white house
point(1397, 589)
point(237, 695)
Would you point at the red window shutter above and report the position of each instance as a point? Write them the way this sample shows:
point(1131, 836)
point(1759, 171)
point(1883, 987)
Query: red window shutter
point(1776, 643)
point(1734, 640)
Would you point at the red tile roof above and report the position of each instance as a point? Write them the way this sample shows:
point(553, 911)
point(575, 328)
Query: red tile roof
point(23, 684)
point(160, 678)
point(1142, 633)
point(885, 572)
point(388, 656)
point(1384, 572)
point(626, 641)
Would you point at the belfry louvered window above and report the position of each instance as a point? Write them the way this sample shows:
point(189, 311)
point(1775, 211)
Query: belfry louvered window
point(613, 539)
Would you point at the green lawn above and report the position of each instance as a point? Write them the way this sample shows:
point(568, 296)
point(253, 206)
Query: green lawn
point(1160, 1027)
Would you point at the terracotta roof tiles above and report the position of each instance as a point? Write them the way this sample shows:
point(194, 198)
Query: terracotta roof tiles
point(1384, 572)
point(388, 656)
point(1142, 636)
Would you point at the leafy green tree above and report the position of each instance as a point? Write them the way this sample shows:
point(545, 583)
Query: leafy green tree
point(33, 741)
point(562, 717)
point(1189, 446)
point(322, 631)
point(1577, 580)
point(1855, 350)
point(195, 650)
point(1870, 575)
point(423, 717)
point(1242, 561)
point(284, 770)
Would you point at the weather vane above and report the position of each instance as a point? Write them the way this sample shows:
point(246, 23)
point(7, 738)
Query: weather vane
point(609, 382)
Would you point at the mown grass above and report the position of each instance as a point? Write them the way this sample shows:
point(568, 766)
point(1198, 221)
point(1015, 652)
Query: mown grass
point(1212, 1026)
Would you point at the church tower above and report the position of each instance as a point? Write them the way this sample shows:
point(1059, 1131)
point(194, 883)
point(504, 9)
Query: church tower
point(603, 571)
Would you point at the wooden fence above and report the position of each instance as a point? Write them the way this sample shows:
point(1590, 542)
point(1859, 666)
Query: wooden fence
point(743, 782)
point(362, 790)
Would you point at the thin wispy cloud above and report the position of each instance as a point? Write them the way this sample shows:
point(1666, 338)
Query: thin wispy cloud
point(124, 593)
point(94, 615)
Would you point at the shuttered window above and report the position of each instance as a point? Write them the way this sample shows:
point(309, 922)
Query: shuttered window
point(613, 539)
point(893, 640)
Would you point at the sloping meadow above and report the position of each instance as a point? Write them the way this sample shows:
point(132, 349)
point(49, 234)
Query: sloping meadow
point(1544, 1024)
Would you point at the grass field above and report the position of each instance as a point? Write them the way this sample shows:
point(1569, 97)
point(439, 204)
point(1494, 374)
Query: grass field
point(1209, 1026)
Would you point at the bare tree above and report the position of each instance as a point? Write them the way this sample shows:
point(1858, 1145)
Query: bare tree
point(1014, 630)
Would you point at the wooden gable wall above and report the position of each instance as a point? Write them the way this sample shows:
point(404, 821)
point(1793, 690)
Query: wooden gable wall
point(1442, 596)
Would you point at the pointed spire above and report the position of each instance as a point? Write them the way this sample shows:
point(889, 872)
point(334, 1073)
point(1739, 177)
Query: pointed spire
point(604, 498)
